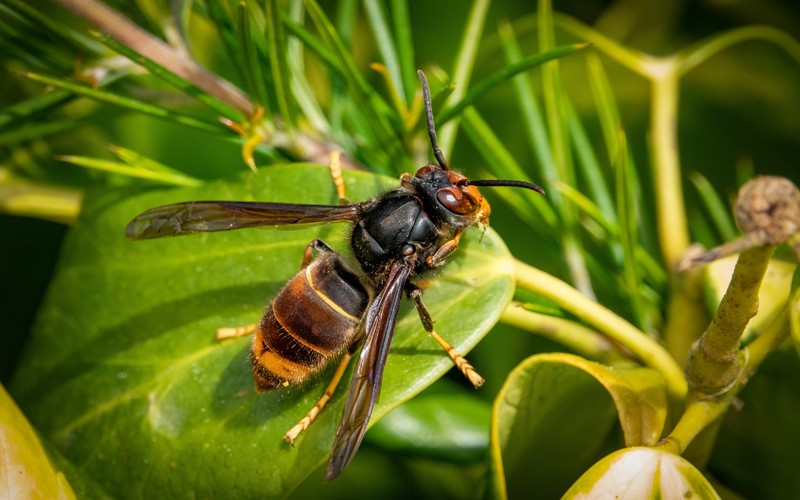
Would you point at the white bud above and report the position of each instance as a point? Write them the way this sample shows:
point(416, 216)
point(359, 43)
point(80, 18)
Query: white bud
point(641, 473)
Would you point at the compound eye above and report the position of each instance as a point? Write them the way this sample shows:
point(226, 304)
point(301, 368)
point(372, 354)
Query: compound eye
point(453, 200)
point(424, 171)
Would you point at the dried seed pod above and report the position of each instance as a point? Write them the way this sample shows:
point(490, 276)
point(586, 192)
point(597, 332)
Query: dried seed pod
point(769, 205)
point(768, 211)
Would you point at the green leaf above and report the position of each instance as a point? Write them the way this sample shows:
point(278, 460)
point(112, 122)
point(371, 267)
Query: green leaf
point(277, 59)
point(589, 166)
point(559, 139)
point(252, 65)
point(405, 47)
point(171, 78)
point(383, 39)
point(715, 206)
point(588, 206)
point(312, 43)
point(502, 164)
point(126, 102)
point(501, 76)
point(137, 171)
point(19, 113)
point(137, 166)
point(26, 471)
point(216, 11)
point(181, 12)
point(551, 418)
point(451, 426)
point(373, 108)
point(627, 232)
point(58, 30)
point(302, 91)
point(534, 124)
point(604, 101)
point(123, 371)
point(36, 130)
point(465, 59)
point(30, 199)
point(33, 50)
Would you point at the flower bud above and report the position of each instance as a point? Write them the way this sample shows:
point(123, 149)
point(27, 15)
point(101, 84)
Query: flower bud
point(641, 473)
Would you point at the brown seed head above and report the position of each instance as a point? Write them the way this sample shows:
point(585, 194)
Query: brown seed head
point(769, 205)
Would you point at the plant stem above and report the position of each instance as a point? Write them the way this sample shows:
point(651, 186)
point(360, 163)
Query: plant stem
point(126, 32)
point(580, 339)
point(570, 299)
point(713, 362)
point(697, 416)
point(702, 412)
point(705, 49)
point(673, 229)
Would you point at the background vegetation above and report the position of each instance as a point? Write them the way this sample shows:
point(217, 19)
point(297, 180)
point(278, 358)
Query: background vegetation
point(737, 116)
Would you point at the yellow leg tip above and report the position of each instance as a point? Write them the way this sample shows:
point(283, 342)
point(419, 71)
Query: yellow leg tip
point(293, 433)
point(225, 333)
point(476, 379)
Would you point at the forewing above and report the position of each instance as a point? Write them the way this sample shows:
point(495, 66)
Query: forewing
point(366, 383)
point(209, 216)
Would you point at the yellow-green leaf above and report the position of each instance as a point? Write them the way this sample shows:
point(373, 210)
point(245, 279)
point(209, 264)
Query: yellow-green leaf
point(553, 415)
point(25, 470)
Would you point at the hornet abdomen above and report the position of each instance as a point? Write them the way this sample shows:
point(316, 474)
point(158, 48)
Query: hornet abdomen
point(311, 320)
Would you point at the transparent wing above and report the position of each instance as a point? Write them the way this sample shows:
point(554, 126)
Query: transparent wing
point(208, 216)
point(366, 383)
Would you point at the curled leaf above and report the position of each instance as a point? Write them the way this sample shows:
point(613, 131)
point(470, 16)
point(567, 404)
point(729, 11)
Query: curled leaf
point(26, 471)
point(552, 417)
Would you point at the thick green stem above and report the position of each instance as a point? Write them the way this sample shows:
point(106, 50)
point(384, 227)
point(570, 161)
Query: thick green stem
point(703, 412)
point(570, 299)
point(713, 362)
point(697, 416)
point(582, 340)
point(673, 229)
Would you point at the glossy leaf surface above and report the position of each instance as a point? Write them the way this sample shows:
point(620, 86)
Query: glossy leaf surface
point(451, 426)
point(26, 472)
point(552, 417)
point(124, 374)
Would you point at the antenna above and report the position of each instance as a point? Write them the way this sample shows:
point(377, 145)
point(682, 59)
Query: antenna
point(498, 183)
point(426, 97)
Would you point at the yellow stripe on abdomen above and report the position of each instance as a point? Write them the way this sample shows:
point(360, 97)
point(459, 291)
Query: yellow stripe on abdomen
point(327, 299)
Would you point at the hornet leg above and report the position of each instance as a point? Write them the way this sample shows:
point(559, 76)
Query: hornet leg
point(427, 322)
point(236, 332)
point(449, 247)
point(338, 180)
point(306, 421)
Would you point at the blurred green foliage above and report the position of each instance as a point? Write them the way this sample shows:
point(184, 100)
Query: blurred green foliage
point(738, 115)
